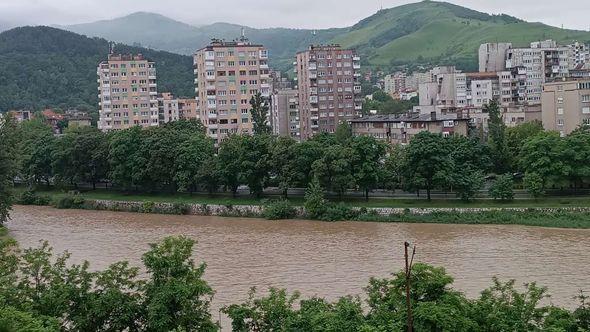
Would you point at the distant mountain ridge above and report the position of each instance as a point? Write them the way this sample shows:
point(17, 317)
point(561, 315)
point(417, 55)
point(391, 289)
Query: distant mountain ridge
point(427, 31)
point(47, 67)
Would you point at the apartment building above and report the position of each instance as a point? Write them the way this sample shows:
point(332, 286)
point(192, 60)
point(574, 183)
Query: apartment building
point(565, 105)
point(395, 84)
point(187, 109)
point(400, 129)
point(168, 108)
point(127, 92)
point(284, 117)
point(328, 88)
point(227, 75)
point(492, 57)
point(414, 80)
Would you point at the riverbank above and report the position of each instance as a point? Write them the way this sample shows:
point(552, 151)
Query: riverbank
point(564, 216)
point(226, 200)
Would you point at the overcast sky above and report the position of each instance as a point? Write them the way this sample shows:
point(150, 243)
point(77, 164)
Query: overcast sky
point(274, 13)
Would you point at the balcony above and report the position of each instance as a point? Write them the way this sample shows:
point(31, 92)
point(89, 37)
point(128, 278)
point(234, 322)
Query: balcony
point(210, 87)
point(210, 77)
point(313, 66)
point(195, 71)
point(356, 58)
point(313, 75)
point(356, 65)
point(209, 56)
point(264, 66)
point(357, 89)
point(313, 99)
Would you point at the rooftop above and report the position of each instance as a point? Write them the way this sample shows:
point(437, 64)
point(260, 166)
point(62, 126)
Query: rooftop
point(409, 118)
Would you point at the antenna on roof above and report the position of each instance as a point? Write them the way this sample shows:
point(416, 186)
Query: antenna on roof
point(243, 35)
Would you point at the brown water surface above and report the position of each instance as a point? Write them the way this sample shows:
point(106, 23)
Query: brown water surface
point(318, 258)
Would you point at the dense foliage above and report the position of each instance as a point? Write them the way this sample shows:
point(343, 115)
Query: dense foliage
point(179, 157)
point(8, 167)
point(385, 104)
point(46, 67)
point(40, 291)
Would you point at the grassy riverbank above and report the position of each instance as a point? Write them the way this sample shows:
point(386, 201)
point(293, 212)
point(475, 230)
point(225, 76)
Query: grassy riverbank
point(555, 219)
point(548, 212)
point(220, 199)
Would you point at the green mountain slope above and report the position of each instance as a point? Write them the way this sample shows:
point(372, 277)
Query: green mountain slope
point(427, 31)
point(441, 32)
point(162, 33)
point(47, 67)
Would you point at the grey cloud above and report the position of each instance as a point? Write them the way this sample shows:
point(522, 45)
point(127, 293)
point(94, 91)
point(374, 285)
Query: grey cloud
point(273, 13)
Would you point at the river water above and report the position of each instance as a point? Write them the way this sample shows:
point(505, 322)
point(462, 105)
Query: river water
point(318, 258)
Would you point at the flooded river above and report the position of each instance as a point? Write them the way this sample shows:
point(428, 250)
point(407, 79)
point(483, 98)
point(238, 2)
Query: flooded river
point(318, 258)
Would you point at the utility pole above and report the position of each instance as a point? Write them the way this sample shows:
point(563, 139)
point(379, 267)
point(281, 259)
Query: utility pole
point(409, 262)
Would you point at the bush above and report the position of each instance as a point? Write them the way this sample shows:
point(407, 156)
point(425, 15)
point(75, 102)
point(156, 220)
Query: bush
point(181, 208)
point(69, 202)
point(29, 197)
point(147, 207)
point(534, 184)
point(315, 204)
point(338, 212)
point(503, 188)
point(281, 209)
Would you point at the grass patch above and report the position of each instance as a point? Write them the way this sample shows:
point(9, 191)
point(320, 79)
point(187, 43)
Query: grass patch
point(556, 219)
point(224, 199)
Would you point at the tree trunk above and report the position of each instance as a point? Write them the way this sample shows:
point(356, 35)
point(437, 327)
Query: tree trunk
point(367, 194)
point(428, 192)
point(93, 185)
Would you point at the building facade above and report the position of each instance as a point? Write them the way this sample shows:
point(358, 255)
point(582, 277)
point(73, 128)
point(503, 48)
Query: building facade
point(328, 88)
point(566, 105)
point(400, 129)
point(284, 113)
point(492, 57)
point(227, 75)
point(168, 108)
point(127, 92)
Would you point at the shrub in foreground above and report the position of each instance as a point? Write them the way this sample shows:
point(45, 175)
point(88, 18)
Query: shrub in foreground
point(30, 197)
point(69, 202)
point(281, 209)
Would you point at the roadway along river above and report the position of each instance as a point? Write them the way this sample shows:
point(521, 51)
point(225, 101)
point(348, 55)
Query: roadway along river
point(318, 258)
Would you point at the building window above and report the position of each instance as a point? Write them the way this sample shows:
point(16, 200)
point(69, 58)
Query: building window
point(560, 122)
point(560, 111)
point(586, 110)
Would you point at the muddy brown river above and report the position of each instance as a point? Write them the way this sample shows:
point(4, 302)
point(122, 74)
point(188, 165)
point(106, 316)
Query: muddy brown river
point(318, 258)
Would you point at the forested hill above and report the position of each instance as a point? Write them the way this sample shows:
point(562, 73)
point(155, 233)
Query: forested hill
point(426, 32)
point(47, 67)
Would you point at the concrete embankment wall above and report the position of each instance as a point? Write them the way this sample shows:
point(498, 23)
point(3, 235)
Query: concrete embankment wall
point(256, 210)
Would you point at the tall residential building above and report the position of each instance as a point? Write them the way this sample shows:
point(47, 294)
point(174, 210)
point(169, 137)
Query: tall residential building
point(413, 81)
point(395, 83)
point(492, 57)
point(127, 92)
point(227, 75)
point(565, 105)
point(328, 88)
point(542, 62)
point(284, 117)
point(168, 108)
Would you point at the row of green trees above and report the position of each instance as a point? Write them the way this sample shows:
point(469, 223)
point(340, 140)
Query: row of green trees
point(180, 157)
point(44, 292)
